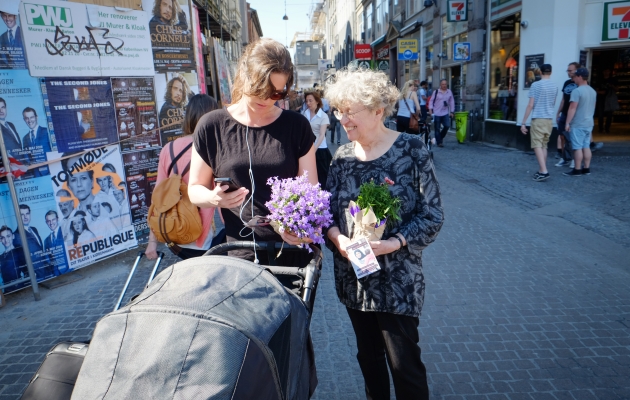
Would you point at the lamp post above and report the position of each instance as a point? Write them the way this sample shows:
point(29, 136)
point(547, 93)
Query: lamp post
point(286, 26)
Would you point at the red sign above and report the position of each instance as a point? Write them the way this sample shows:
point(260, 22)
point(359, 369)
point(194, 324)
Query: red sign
point(383, 53)
point(362, 52)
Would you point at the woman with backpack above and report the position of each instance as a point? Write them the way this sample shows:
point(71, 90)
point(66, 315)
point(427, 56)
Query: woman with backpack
point(197, 107)
point(442, 106)
point(408, 107)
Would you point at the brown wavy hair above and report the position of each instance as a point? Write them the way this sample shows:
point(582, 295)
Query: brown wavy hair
point(261, 59)
point(176, 10)
point(185, 89)
point(317, 97)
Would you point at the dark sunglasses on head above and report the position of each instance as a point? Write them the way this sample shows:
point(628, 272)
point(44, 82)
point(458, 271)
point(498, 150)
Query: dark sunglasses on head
point(276, 95)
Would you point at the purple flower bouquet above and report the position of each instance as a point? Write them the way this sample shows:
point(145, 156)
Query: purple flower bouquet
point(299, 207)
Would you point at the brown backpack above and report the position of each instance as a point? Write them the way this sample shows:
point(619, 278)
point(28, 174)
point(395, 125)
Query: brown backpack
point(172, 217)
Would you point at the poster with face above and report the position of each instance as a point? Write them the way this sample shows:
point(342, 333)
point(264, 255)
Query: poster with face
point(82, 112)
point(11, 40)
point(141, 172)
point(136, 113)
point(92, 212)
point(173, 91)
point(38, 212)
point(23, 122)
point(171, 36)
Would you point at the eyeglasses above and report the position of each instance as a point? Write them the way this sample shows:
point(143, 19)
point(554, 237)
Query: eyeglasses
point(277, 95)
point(349, 115)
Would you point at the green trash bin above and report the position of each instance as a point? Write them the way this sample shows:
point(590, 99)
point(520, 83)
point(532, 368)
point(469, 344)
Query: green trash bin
point(461, 125)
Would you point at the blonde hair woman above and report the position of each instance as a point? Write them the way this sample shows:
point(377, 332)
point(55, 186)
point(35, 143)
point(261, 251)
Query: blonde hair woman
point(383, 307)
point(249, 142)
point(408, 107)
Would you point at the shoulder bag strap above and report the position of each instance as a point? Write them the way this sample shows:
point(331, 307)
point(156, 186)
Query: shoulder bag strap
point(173, 165)
point(410, 113)
point(435, 93)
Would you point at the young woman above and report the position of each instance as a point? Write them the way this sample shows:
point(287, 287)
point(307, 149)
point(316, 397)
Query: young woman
point(197, 107)
point(408, 107)
point(249, 142)
point(319, 123)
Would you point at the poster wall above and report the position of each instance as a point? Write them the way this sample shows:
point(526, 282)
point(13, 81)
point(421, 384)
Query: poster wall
point(91, 192)
point(39, 215)
point(224, 77)
point(23, 121)
point(141, 171)
point(74, 39)
point(82, 112)
point(11, 38)
point(172, 92)
point(171, 35)
point(136, 113)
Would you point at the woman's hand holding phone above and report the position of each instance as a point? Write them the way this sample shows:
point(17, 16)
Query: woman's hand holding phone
point(222, 199)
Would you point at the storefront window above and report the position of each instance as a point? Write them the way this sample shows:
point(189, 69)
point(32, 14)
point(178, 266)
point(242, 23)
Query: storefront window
point(368, 21)
point(505, 40)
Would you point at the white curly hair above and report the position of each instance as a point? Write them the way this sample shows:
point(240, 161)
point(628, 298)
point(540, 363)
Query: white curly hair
point(370, 88)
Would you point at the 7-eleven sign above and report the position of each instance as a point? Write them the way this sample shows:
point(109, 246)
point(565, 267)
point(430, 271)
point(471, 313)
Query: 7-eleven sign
point(457, 10)
point(616, 24)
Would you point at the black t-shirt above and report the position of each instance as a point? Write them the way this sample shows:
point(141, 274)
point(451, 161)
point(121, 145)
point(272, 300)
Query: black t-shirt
point(567, 88)
point(275, 149)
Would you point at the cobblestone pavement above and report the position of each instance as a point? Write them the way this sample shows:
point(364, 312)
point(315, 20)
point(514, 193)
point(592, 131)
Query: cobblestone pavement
point(528, 290)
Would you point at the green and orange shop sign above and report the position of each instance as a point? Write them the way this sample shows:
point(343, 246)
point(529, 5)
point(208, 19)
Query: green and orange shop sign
point(616, 26)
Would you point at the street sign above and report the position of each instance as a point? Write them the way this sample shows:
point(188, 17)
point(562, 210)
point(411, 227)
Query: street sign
point(383, 53)
point(323, 64)
point(457, 11)
point(407, 49)
point(461, 51)
point(616, 25)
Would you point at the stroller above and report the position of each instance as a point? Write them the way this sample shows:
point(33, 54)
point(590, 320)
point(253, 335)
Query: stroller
point(210, 327)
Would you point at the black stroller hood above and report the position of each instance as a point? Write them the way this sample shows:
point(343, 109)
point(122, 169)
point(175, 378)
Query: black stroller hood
point(211, 327)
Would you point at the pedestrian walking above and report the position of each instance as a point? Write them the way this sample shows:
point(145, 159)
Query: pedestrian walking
point(564, 139)
point(542, 100)
point(408, 107)
point(383, 307)
point(334, 127)
point(422, 98)
point(580, 122)
point(319, 121)
point(441, 107)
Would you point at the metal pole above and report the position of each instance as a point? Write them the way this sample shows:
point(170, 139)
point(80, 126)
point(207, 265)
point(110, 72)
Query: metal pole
point(461, 86)
point(14, 199)
point(133, 270)
point(155, 267)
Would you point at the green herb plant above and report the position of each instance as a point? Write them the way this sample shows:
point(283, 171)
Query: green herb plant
point(381, 200)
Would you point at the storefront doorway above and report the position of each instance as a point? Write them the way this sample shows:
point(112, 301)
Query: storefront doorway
point(455, 85)
point(610, 77)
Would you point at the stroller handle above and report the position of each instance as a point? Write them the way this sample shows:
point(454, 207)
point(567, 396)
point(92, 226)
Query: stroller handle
point(310, 273)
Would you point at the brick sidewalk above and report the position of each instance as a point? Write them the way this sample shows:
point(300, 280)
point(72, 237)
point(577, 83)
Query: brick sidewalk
point(528, 287)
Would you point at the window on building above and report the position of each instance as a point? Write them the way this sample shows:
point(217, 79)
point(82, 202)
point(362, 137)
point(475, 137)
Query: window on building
point(414, 6)
point(505, 40)
point(398, 5)
point(361, 32)
point(452, 32)
point(368, 21)
point(382, 16)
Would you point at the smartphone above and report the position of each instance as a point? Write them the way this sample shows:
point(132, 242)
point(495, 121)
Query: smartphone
point(226, 181)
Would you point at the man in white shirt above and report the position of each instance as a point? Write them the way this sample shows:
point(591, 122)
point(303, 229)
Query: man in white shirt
point(542, 101)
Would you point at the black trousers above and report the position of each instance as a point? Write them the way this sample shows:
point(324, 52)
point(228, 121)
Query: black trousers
point(323, 159)
point(385, 338)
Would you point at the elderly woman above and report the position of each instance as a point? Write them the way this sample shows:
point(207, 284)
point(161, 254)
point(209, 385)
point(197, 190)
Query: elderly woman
point(383, 307)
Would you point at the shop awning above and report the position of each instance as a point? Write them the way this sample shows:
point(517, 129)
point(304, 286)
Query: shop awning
point(411, 27)
point(378, 41)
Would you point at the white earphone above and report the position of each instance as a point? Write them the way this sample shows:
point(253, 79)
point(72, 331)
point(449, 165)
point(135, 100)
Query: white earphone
point(251, 196)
